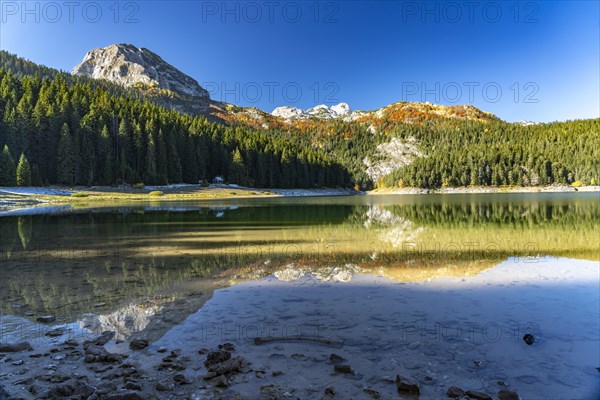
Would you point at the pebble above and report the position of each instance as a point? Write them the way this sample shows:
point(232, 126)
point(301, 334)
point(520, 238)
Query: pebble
point(18, 362)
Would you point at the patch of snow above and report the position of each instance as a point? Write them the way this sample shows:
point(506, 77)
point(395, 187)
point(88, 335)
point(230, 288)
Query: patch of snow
point(33, 191)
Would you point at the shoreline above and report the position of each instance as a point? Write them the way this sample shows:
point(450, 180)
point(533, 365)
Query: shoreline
point(487, 189)
point(38, 200)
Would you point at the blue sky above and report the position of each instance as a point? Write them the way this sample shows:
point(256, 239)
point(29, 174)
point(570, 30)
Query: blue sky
point(520, 60)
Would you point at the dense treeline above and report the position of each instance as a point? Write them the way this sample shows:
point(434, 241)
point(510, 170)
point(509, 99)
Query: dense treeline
point(76, 133)
point(464, 153)
point(60, 129)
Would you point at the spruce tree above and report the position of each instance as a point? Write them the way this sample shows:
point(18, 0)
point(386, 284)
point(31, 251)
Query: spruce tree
point(8, 170)
point(237, 172)
point(65, 161)
point(23, 172)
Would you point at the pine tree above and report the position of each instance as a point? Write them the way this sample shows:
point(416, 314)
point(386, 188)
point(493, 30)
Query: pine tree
point(23, 172)
point(8, 170)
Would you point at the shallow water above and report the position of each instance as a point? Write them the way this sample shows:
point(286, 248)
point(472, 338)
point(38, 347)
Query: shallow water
point(121, 267)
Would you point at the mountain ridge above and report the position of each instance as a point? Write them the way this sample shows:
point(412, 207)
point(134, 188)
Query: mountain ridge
point(144, 70)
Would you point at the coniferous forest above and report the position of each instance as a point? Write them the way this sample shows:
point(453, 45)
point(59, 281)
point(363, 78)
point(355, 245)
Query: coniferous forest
point(60, 129)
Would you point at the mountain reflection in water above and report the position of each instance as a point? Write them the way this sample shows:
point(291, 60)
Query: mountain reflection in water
point(67, 263)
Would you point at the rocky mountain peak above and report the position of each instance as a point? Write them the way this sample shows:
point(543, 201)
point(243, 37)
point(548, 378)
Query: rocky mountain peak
point(320, 112)
point(130, 66)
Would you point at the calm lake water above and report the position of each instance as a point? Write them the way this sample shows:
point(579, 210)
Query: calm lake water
point(117, 267)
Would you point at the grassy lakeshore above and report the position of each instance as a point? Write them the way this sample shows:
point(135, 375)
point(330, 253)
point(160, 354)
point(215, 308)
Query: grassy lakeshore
point(101, 194)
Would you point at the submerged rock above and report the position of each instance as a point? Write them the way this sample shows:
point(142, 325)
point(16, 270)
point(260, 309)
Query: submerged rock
point(215, 357)
point(138, 344)
point(473, 394)
point(221, 381)
point(330, 391)
point(407, 386)
point(529, 338)
point(343, 369)
point(505, 394)
point(72, 389)
point(104, 338)
point(55, 332)
point(373, 393)
point(227, 347)
point(95, 353)
point(455, 392)
point(164, 386)
point(182, 379)
point(132, 386)
point(46, 319)
point(232, 365)
point(14, 347)
point(124, 396)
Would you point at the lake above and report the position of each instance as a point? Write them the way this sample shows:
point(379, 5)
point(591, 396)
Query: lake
point(435, 286)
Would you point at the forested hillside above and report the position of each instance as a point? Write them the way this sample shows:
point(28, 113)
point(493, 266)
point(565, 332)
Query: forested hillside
point(59, 129)
point(75, 132)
